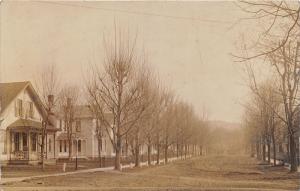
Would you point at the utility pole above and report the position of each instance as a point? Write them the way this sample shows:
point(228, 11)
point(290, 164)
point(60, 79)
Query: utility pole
point(1, 67)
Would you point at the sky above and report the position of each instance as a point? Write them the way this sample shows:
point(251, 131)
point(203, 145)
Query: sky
point(188, 43)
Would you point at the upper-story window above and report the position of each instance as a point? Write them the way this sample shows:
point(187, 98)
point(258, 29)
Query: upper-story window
point(31, 110)
point(60, 124)
point(19, 108)
point(65, 125)
point(78, 125)
point(50, 145)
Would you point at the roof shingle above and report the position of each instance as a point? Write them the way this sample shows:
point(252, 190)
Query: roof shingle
point(8, 91)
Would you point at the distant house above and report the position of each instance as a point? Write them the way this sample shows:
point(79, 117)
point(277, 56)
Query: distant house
point(297, 135)
point(21, 116)
point(84, 136)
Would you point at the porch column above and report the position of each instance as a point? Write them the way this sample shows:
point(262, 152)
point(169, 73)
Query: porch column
point(10, 144)
point(46, 149)
point(28, 143)
point(54, 144)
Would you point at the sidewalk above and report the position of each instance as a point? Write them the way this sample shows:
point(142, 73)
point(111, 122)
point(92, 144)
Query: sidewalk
point(105, 169)
point(286, 165)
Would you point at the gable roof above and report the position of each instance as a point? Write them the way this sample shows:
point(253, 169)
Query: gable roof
point(83, 111)
point(9, 91)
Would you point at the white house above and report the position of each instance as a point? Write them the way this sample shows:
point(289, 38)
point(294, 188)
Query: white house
point(21, 116)
point(84, 135)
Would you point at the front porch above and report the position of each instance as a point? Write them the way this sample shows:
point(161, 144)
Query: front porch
point(78, 146)
point(24, 142)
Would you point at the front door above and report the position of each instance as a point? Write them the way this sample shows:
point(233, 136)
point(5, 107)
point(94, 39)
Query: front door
point(21, 146)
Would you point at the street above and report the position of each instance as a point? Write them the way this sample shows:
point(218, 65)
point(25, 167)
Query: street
point(202, 173)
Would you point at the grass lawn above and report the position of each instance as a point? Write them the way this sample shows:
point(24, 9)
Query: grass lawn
point(203, 173)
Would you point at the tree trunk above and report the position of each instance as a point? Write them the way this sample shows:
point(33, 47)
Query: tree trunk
point(185, 151)
point(293, 160)
point(42, 149)
point(177, 150)
point(137, 155)
point(201, 150)
point(126, 145)
point(99, 152)
point(158, 153)
point(166, 154)
point(264, 152)
point(274, 148)
point(288, 150)
point(258, 151)
point(70, 147)
point(251, 150)
point(149, 154)
point(118, 154)
point(269, 152)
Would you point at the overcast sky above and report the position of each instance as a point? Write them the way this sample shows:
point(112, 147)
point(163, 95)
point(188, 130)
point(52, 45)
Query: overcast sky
point(189, 44)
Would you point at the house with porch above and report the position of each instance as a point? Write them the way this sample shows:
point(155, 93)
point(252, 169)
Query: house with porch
point(21, 116)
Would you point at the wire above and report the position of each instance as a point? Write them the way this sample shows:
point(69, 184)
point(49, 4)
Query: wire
point(137, 12)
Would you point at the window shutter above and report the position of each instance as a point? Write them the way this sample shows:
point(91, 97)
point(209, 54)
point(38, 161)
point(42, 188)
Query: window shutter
point(31, 110)
point(16, 108)
point(21, 108)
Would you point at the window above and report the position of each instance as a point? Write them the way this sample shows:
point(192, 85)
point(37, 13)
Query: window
point(31, 110)
point(100, 144)
point(19, 108)
point(60, 124)
point(78, 125)
point(60, 146)
point(24, 141)
point(65, 146)
point(49, 148)
point(65, 125)
point(33, 142)
point(79, 145)
point(17, 141)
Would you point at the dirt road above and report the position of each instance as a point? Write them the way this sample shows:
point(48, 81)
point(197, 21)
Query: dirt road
point(203, 173)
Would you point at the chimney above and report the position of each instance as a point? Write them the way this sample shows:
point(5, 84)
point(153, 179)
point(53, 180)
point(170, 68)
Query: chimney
point(50, 101)
point(69, 102)
point(51, 116)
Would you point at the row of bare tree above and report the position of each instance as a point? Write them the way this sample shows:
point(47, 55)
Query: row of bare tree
point(272, 114)
point(131, 106)
point(135, 109)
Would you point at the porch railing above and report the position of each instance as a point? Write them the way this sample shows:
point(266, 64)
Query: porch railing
point(40, 155)
point(21, 155)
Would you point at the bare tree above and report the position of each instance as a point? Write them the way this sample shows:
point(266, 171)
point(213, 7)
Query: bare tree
point(47, 84)
point(68, 99)
point(280, 20)
point(100, 127)
point(167, 125)
point(119, 88)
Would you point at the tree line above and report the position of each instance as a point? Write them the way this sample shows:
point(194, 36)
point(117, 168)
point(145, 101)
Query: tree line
point(143, 111)
point(130, 104)
point(271, 117)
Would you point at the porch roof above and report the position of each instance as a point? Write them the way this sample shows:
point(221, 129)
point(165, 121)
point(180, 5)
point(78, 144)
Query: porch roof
point(25, 124)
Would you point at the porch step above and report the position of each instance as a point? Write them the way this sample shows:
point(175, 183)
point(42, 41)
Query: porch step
point(18, 162)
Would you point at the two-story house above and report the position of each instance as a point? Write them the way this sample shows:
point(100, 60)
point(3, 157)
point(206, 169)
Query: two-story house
point(21, 116)
point(83, 136)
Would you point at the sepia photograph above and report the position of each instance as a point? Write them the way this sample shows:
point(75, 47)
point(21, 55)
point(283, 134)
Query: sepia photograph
point(150, 95)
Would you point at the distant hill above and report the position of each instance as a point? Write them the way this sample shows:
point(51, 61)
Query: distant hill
point(224, 124)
